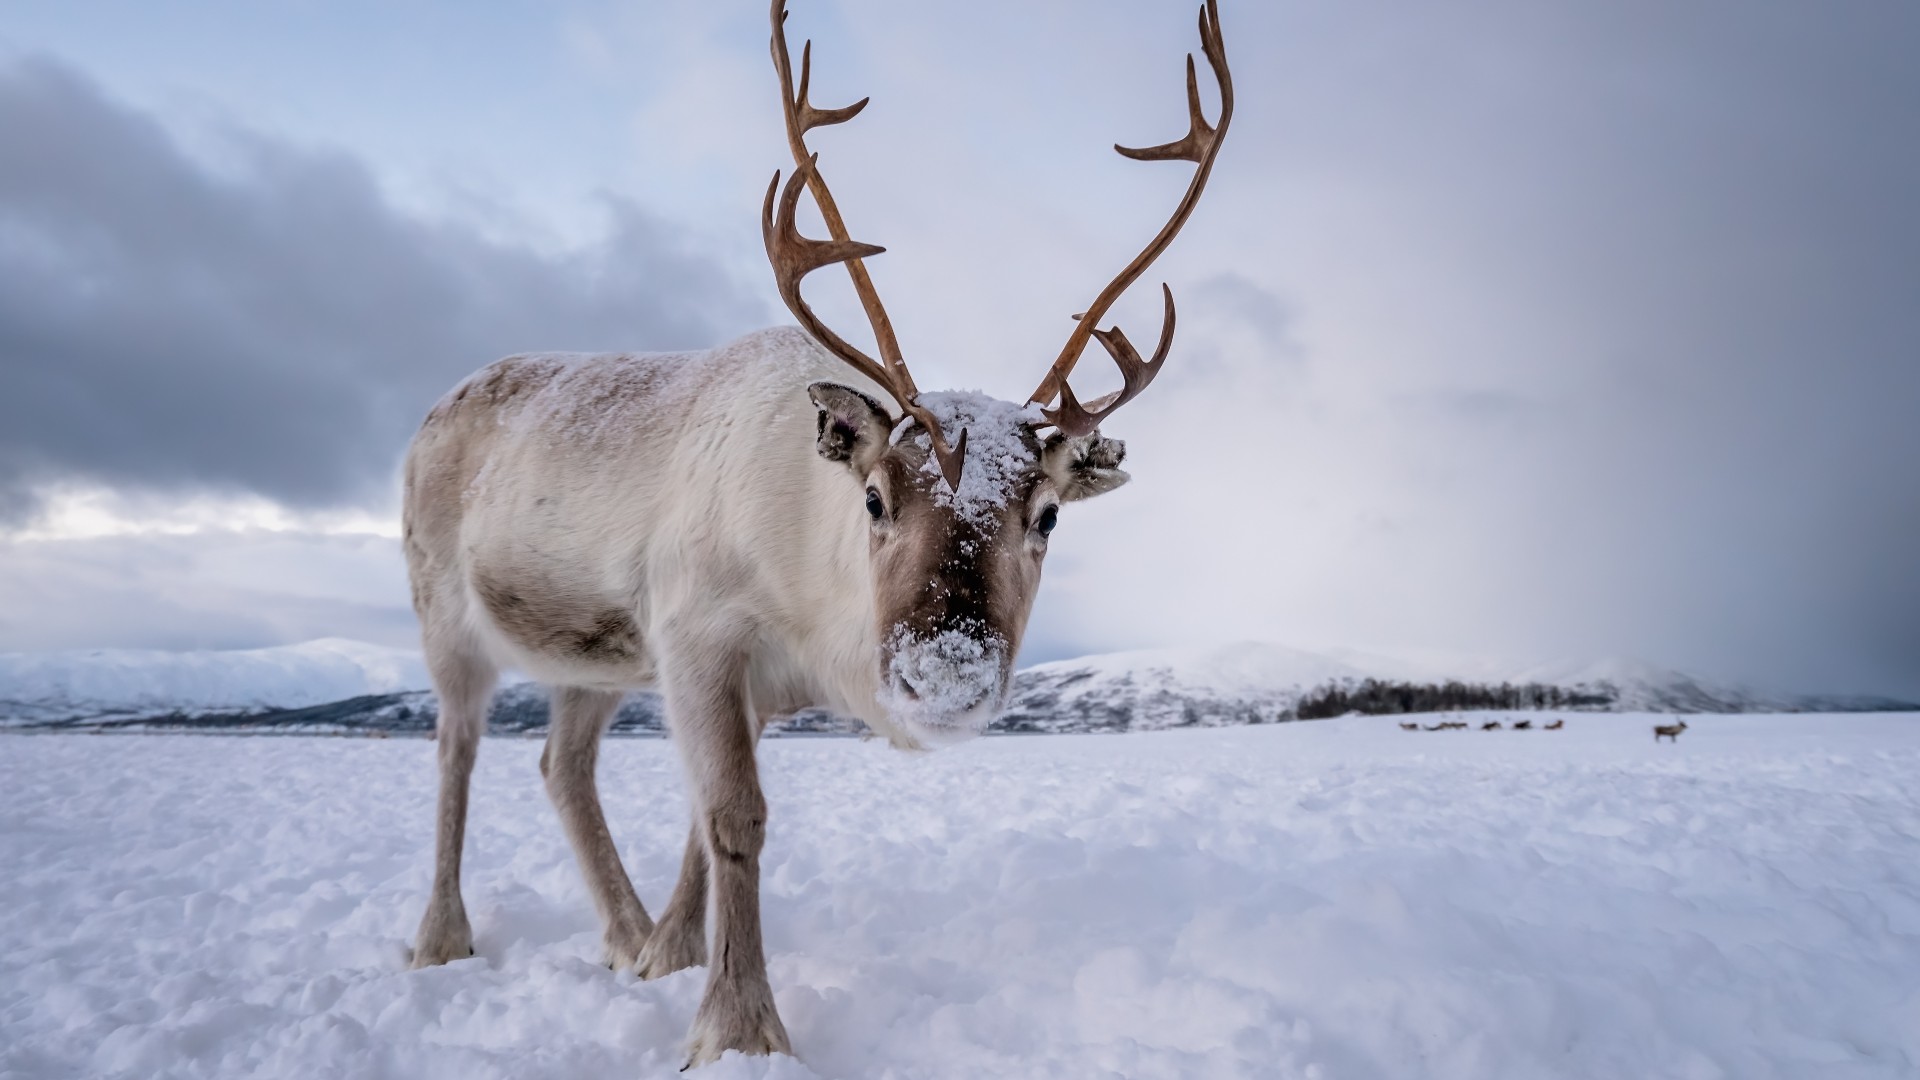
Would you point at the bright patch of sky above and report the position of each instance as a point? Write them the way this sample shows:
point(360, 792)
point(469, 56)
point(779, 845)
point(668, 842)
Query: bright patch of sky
point(92, 513)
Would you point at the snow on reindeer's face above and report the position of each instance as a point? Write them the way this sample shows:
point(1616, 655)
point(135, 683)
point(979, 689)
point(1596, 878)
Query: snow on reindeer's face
point(955, 571)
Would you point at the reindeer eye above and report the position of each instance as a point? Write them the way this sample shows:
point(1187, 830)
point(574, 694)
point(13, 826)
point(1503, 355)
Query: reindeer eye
point(875, 507)
point(1048, 519)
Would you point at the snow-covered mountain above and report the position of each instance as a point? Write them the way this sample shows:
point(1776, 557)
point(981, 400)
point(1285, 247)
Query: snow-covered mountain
point(1637, 686)
point(1252, 682)
point(1243, 683)
point(338, 685)
point(106, 684)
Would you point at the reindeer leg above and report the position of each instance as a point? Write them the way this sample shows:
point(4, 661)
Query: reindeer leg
point(464, 682)
point(580, 718)
point(680, 938)
point(712, 725)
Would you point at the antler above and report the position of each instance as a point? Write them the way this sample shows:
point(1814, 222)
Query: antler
point(1200, 145)
point(794, 256)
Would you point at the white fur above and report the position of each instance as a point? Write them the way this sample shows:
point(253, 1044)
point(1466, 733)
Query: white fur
point(703, 507)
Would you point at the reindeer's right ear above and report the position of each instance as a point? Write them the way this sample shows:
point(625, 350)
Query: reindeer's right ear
point(852, 427)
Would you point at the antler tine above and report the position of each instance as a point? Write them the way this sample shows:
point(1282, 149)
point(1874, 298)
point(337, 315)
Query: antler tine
point(1200, 145)
point(1201, 136)
point(811, 117)
point(1188, 147)
point(794, 256)
point(1074, 419)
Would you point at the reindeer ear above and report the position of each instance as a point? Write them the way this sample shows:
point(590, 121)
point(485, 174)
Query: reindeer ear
point(1084, 467)
point(852, 426)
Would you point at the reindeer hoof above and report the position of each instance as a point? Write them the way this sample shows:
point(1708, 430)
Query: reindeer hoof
point(442, 938)
point(623, 944)
point(736, 1018)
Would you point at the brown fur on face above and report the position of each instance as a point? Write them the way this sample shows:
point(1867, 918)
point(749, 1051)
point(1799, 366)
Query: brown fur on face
point(936, 572)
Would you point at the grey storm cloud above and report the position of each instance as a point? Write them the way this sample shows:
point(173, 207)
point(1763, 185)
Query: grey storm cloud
point(272, 326)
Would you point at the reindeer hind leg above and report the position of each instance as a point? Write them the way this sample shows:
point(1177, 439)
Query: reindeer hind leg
point(580, 719)
point(680, 939)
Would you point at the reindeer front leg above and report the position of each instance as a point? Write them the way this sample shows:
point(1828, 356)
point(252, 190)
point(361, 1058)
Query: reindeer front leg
point(712, 725)
point(679, 940)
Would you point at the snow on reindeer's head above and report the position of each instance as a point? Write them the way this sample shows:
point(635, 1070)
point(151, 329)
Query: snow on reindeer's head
point(955, 568)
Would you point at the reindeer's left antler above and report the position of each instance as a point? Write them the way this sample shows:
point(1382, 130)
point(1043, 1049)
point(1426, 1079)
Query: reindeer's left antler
point(1200, 145)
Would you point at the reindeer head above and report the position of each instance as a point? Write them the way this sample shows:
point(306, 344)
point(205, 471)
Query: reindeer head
point(955, 569)
point(962, 491)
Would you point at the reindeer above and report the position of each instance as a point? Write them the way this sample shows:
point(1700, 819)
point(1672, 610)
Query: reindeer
point(752, 529)
point(1491, 725)
point(1671, 731)
point(1434, 727)
point(1409, 727)
point(1555, 726)
point(1522, 725)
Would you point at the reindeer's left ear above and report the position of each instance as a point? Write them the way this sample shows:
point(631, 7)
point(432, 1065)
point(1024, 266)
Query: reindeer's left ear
point(1084, 467)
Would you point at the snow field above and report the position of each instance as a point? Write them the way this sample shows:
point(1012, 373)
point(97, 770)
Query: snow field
point(1337, 899)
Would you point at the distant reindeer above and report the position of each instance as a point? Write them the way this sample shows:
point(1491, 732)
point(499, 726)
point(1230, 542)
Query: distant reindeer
point(752, 530)
point(1671, 731)
point(1522, 725)
point(1442, 726)
point(1555, 726)
point(1409, 727)
point(1491, 725)
point(1455, 725)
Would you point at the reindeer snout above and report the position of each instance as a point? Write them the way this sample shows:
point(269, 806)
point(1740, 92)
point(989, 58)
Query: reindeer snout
point(906, 688)
point(948, 684)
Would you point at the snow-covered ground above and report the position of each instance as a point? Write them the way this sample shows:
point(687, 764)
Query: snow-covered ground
point(1338, 899)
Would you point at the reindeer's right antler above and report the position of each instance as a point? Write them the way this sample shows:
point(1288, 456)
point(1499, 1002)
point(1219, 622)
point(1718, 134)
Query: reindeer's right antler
point(794, 256)
point(1200, 145)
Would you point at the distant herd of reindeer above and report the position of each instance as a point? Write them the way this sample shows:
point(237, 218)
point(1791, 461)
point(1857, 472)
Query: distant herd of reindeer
point(1670, 732)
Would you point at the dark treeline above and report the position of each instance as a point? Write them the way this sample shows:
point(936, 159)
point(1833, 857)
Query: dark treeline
point(1377, 698)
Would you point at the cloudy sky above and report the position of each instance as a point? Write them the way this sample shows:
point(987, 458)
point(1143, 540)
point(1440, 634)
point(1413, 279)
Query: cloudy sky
point(1508, 330)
